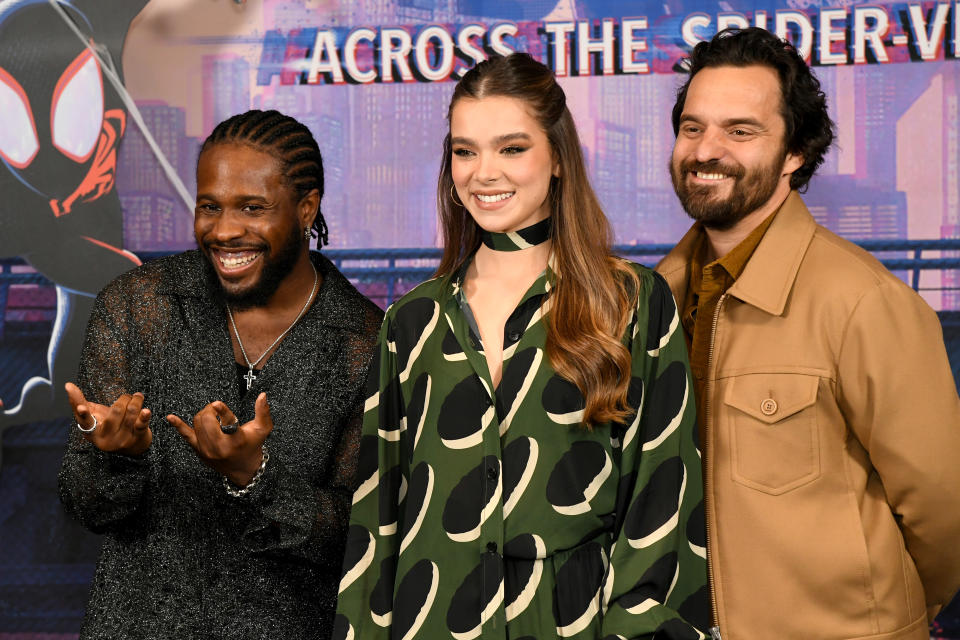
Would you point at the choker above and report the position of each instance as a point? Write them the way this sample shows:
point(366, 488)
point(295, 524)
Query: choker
point(516, 240)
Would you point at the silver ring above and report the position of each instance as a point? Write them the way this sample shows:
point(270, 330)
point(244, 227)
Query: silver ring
point(229, 428)
point(91, 429)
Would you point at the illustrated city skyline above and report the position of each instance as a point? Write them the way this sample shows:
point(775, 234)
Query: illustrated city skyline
point(381, 143)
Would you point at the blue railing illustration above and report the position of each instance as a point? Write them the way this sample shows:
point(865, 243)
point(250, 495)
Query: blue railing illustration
point(386, 274)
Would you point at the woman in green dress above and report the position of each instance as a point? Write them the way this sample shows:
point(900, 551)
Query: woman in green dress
point(528, 465)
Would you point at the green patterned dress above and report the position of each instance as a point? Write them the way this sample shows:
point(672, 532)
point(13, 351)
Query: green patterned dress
point(492, 513)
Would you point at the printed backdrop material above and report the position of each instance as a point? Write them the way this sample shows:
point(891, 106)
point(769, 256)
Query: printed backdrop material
point(83, 194)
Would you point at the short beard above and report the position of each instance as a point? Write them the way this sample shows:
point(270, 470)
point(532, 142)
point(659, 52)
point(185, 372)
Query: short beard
point(275, 269)
point(750, 191)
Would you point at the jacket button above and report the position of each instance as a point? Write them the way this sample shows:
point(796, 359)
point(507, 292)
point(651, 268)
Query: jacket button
point(768, 407)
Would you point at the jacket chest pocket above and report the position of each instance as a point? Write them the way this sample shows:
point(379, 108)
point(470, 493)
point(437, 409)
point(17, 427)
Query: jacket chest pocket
point(775, 445)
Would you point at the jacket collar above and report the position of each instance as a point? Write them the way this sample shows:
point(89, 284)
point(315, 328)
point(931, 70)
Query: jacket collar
point(768, 278)
point(327, 309)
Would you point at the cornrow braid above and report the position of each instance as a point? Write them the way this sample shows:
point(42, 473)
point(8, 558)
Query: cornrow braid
point(286, 139)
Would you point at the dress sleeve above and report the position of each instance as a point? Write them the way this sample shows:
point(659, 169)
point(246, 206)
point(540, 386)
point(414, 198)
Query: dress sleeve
point(100, 489)
point(657, 577)
point(365, 603)
point(897, 394)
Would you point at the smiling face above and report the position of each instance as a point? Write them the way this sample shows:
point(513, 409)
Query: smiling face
point(502, 163)
point(729, 159)
point(249, 222)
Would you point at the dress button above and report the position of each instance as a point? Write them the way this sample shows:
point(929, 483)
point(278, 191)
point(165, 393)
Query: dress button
point(513, 336)
point(492, 547)
point(492, 473)
point(768, 407)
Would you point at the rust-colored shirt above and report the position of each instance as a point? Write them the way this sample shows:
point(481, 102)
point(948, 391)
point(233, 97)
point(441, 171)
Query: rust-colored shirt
point(707, 284)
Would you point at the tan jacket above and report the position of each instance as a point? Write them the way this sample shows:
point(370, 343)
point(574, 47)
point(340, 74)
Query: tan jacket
point(832, 444)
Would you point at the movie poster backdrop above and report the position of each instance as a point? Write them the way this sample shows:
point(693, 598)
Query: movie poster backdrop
point(102, 112)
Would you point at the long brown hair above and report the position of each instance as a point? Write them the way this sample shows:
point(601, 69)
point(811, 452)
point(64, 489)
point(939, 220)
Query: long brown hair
point(593, 292)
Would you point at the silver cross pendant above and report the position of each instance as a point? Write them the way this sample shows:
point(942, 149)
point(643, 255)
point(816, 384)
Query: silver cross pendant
point(249, 377)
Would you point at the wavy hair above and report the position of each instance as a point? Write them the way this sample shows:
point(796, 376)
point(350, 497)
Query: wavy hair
point(593, 292)
point(803, 106)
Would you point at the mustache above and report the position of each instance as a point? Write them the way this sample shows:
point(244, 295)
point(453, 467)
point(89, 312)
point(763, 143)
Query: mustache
point(713, 166)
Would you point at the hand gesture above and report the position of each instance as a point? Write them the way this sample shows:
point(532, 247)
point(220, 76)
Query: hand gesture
point(123, 427)
point(235, 455)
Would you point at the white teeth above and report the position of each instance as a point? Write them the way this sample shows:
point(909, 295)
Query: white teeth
point(710, 176)
point(497, 198)
point(232, 263)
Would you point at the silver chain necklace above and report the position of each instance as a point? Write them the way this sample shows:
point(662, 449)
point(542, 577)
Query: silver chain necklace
point(248, 376)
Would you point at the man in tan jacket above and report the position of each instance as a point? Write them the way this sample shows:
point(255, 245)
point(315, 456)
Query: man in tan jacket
point(829, 419)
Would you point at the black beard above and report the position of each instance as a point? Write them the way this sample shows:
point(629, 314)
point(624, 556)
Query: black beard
point(750, 191)
point(275, 269)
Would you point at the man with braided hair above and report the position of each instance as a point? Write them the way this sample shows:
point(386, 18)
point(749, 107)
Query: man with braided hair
point(218, 409)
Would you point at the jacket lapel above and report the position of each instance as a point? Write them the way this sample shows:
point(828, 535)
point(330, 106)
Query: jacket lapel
point(769, 276)
point(675, 266)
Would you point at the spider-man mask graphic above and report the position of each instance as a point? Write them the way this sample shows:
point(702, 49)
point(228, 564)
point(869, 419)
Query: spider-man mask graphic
point(59, 138)
point(60, 124)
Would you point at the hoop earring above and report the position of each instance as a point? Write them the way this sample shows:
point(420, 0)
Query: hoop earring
point(453, 195)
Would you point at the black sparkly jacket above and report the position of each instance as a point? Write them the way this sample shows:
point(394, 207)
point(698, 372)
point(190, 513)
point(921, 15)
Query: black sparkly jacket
point(181, 558)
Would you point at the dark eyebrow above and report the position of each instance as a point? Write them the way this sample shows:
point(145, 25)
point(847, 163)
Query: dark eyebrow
point(507, 137)
point(510, 137)
point(730, 122)
point(240, 197)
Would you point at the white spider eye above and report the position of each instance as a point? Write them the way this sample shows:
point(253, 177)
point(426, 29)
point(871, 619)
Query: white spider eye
point(18, 134)
point(77, 109)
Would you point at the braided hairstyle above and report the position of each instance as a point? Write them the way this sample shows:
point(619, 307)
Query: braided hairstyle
point(287, 140)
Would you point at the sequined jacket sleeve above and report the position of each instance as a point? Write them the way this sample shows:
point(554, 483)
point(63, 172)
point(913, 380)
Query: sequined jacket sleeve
point(103, 489)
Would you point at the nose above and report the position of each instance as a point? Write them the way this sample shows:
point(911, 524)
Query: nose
point(226, 227)
point(709, 146)
point(488, 167)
